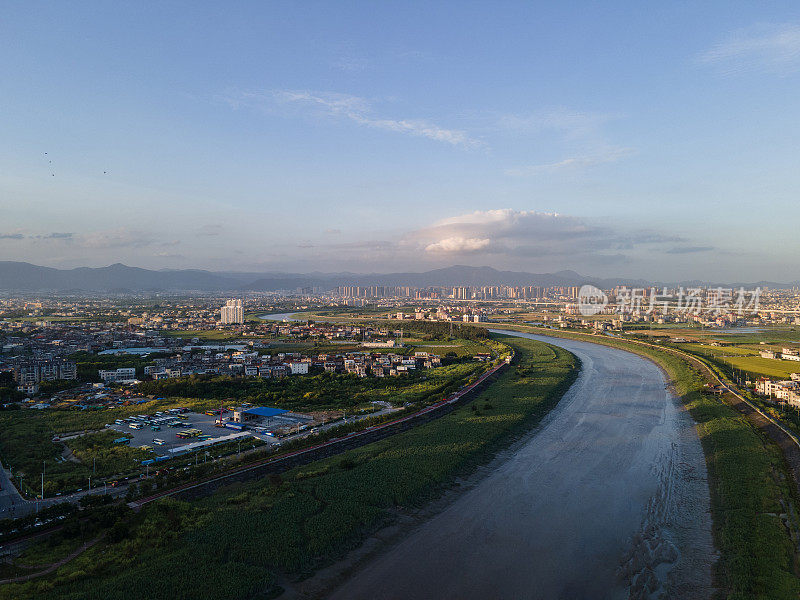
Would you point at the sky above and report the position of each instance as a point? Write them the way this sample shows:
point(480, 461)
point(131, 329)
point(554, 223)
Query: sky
point(617, 139)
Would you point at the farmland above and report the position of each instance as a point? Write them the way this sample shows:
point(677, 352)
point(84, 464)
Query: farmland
point(248, 532)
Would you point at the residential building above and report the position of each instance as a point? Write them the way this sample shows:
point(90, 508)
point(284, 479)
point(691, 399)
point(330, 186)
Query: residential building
point(232, 312)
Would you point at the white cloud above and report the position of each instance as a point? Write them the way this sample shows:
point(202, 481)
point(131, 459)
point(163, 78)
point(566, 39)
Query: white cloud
point(357, 110)
point(527, 235)
point(610, 155)
point(458, 245)
point(571, 123)
point(116, 238)
point(578, 134)
point(770, 48)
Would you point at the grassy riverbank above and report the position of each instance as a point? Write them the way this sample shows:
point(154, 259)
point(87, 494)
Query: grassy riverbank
point(750, 490)
point(229, 545)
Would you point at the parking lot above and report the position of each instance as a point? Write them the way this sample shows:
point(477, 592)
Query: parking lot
point(202, 422)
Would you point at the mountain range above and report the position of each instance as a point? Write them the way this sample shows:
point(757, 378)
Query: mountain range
point(119, 278)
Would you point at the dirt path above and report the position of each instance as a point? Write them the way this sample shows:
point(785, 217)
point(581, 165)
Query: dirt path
point(47, 569)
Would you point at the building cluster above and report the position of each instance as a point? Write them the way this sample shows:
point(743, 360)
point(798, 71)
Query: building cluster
point(484, 292)
point(442, 313)
point(785, 354)
point(28, 374)
point(379, 365)
point(787, 391)
point(254, 364)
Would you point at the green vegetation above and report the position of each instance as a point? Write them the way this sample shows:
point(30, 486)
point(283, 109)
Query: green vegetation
point(316, 392)
point(8, 388)
point(744, 359)
point(88, 363)
point(205, 334)
point(235, 539)
point(26, 447)
point(750, 486)
point(26, 435)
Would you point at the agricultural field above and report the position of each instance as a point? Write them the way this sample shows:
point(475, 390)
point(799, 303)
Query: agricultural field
point(746, 358)
point(247, 533)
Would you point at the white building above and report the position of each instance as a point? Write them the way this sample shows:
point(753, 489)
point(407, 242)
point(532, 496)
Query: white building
point(298, 368)
point(232, 312)
point(122, 374)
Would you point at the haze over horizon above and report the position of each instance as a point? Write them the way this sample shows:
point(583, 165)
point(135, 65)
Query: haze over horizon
point(652, 142)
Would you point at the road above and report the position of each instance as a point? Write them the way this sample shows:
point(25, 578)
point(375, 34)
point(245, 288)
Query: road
point(608, 498)
point(11, 503)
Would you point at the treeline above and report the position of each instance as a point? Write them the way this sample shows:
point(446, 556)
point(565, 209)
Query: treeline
point(8, 388)
point(325, 390)
point(89, 364)
point(434, 331)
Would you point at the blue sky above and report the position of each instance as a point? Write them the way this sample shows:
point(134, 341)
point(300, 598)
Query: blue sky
point(624, 138)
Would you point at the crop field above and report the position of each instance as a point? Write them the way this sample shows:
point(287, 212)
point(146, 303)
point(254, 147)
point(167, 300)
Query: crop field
point(244, 534)
point(745, 358)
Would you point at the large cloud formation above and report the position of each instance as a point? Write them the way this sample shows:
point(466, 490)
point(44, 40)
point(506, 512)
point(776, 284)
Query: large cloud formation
point(516, 233)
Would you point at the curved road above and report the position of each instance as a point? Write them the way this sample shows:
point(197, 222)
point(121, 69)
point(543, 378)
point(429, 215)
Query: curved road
point(608, 498)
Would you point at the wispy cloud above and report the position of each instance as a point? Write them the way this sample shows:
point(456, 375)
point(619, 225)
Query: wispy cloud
point(576, 162)
point(581, 135)
point(768, 48)
point(57, 235)
point(689, 249)
point(116, 238)
point(355, 109)
point(210, 230)
point(349, 63)
point(573, 124)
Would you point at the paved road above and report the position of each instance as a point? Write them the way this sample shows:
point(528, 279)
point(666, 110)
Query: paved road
point(11, 503)
point(608, 497)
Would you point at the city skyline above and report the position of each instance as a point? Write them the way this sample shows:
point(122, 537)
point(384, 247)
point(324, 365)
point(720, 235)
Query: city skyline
point(628, 142)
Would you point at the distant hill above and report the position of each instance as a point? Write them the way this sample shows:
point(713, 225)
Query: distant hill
point(27, 277)
point(119, 278)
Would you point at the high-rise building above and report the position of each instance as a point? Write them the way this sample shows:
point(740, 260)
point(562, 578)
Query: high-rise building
point(232, 312)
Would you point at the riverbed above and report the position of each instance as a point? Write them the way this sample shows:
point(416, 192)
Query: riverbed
point(607, 498)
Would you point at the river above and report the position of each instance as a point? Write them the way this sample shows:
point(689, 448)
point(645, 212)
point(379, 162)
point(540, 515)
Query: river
point(289, 316)
point(607, 498)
